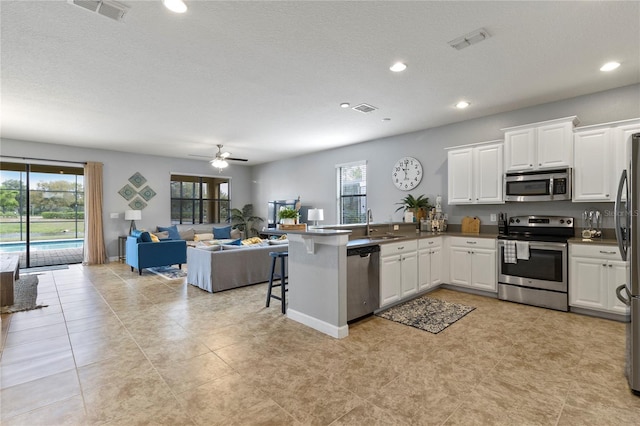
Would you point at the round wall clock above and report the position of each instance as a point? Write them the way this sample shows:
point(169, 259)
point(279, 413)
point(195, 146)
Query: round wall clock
point(407, 173)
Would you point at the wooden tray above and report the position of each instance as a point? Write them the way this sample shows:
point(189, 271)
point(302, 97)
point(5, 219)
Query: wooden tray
point(298, 227)
point(470, 225)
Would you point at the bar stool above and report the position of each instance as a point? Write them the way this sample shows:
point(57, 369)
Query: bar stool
point(275, 255)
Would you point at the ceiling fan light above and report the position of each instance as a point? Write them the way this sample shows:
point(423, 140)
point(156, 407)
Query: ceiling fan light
point(176, 6)
point(219, 163)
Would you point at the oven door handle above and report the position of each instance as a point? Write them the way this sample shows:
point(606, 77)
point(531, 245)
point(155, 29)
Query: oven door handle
point(538, 245)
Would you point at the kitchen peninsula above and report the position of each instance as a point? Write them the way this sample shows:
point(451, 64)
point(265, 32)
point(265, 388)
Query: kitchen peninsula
point(318, 280)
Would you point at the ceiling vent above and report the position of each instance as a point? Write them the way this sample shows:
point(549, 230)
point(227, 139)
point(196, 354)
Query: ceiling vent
point(365, 108)
point(110, 9)
point(472, 38)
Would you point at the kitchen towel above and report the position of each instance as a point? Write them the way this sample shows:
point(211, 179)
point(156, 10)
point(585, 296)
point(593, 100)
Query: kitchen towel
point(510, 252)
point(522, 250)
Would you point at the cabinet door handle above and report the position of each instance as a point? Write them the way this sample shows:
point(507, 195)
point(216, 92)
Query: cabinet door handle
point(607, 252)
point(606, 195)
point(472, 242)
point(610, 266)
point(401, 248)
point(604, 264)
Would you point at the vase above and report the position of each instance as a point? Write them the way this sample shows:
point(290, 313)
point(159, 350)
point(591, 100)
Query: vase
point(288, 221)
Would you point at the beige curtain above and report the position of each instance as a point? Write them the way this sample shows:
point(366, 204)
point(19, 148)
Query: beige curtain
point(95, 252)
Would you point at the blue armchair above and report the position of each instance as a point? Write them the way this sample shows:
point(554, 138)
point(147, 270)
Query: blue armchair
point(142, 254)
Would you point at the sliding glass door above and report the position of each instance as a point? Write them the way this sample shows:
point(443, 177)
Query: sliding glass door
point(42, 213)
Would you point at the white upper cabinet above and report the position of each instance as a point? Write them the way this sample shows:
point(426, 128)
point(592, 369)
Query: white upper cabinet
point(460, 176)
point(539, 146)
point(475, 174)
point(600, 155)
point(593, 157)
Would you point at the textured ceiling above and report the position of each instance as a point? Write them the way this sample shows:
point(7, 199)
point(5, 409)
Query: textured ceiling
point(266, 78)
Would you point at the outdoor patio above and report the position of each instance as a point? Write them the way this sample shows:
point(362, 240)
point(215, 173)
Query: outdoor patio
point(52, 257)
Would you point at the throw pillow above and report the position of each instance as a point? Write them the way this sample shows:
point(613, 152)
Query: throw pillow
point(222, 233)
point(154, 238)
point(236, 233)
point(188, 235)
point(203, 246)
point(278, 242)
point(203, 237)
point(145, 237)
point(161, 235)
point(172, 230)
point(237, 242)
point(251, 241)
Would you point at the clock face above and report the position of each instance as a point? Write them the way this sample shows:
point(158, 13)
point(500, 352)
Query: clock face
point(407, 173)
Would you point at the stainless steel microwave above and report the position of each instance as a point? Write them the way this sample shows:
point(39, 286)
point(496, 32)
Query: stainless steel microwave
point(547, 185)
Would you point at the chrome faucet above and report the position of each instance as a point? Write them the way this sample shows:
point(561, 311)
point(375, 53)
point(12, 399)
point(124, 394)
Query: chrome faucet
point(369, 219)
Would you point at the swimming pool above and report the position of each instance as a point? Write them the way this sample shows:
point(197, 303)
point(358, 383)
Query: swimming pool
point(20, 246)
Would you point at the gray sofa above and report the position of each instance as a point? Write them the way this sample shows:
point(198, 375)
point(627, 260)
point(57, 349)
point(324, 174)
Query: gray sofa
point(230, 266)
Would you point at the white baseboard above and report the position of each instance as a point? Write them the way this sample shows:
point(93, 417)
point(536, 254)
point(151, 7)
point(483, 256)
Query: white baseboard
point(316, 324)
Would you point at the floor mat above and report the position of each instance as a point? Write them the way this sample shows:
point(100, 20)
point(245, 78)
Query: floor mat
point(425, 313)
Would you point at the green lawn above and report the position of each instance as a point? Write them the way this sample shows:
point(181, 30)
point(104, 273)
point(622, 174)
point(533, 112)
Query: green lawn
point(41, 229)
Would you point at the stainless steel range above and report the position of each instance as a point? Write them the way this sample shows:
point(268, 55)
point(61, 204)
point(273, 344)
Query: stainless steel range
point(533, 261)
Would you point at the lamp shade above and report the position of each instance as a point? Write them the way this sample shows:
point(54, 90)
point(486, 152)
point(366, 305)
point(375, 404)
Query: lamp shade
point(315, 214)
point(133, 215)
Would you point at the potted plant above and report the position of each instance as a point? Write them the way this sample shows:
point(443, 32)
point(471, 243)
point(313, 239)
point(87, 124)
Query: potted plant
point(419, 205)
point(288, 216)
point(245, 221)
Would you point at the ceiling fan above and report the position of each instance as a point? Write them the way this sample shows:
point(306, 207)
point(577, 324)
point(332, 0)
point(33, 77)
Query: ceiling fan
point(220, 159)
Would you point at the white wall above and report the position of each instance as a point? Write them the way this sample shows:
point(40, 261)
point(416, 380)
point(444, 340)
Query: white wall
point(119, 166)
point(313, 176)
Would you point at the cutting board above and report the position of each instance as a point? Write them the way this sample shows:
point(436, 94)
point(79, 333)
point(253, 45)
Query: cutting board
point(471, 225)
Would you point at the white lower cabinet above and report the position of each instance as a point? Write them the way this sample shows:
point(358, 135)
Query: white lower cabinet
point(398, 271)
point(594, 273)
point(430, 258)
point(473, 263)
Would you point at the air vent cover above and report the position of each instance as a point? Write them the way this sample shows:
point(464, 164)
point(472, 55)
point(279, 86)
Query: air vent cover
point(87, 4)
point(365, 108)
point(108, 8)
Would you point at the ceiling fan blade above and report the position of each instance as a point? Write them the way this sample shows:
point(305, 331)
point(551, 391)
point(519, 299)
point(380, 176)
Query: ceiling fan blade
point(236, 159)
point(198, 155)
point(224, 154)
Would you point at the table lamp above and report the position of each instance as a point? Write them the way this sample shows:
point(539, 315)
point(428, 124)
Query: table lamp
point(132, 215)
point(315, 215)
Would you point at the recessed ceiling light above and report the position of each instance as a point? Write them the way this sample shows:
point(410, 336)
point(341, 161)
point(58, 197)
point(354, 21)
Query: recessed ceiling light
point(610, 66)
point(462, 104)
point(176, 6)
point(398, 67)
point(345, 105)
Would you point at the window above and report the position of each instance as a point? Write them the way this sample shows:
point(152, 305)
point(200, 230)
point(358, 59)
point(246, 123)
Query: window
point(352, 192)
point(199, 199)
point(42, 213)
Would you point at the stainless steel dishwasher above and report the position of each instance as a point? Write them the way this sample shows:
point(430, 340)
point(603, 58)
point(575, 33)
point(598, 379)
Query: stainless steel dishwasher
point(363, 281)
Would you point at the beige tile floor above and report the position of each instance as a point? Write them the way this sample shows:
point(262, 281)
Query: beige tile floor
point(119, 349)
